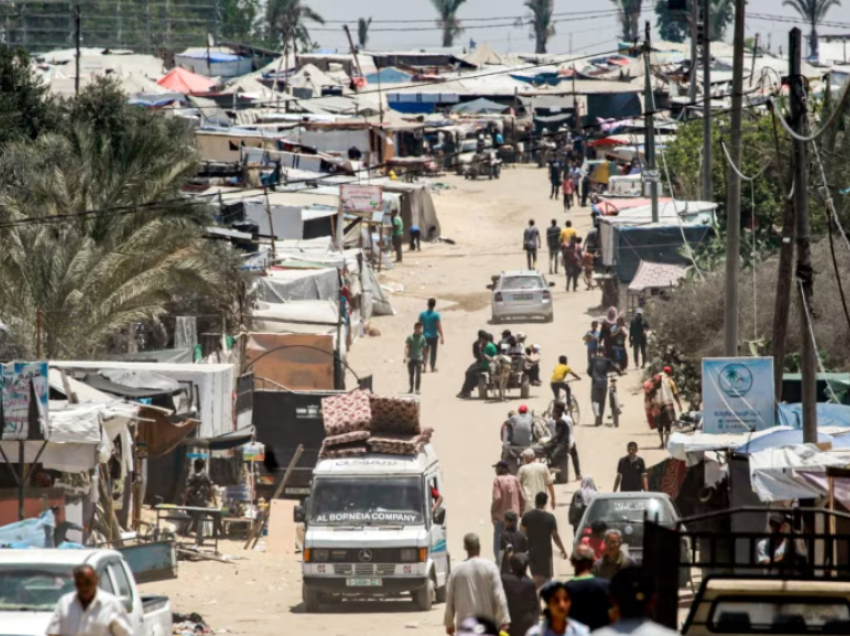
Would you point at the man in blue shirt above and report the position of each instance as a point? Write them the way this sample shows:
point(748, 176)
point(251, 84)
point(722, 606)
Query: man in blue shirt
point(432, 328)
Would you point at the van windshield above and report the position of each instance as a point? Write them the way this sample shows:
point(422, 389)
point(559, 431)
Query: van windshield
point(368, 501)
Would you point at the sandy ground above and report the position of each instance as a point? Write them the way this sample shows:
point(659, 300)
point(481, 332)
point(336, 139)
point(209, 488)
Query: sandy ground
point(262, 594)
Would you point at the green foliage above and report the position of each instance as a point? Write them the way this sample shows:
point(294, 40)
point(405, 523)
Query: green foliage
point(239, 20)
point(448, 22)
point(26, 109)
point(363, 25)
point(629, 16)
point(97, 236)
point(288, 20)
point(674, 27)
point(542, 27)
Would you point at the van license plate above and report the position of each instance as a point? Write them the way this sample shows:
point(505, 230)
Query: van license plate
point(364, 582)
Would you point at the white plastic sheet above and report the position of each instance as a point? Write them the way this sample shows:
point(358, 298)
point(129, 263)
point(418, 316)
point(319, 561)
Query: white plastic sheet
point(774, 472)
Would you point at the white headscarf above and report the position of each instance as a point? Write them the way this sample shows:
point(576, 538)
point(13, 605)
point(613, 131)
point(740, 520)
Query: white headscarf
point(588, 489)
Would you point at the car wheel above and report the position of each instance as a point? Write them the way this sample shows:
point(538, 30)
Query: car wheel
point(311, 599)
point(423, 599)
point(482, 388)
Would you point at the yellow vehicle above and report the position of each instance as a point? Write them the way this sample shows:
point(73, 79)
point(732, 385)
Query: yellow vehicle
point(766, 605)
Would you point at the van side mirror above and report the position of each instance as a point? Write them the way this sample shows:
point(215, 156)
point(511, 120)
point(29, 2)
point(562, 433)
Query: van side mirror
point(551, 283)
point(298, 514)
point(440, 516)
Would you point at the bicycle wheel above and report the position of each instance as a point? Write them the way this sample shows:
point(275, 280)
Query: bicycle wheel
point(615, 408)
point(575, 410)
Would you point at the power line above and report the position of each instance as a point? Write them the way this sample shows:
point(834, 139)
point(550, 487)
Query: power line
point(463, 20)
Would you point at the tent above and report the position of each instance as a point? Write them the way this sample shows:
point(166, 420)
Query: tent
point(180, 80)
point(480, 106)
point(780, 474)
point(484, 54)
point(250, 88)
point(656, 276)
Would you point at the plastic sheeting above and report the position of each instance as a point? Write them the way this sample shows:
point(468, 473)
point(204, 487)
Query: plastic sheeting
point(282, 286)
point(828, 415)
point(774, 472)
point(301, 316)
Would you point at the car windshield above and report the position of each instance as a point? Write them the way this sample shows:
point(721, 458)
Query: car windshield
point(368, 501)
point(33, 588)
point(779, 616)
point(628, 509)
point(514, 283)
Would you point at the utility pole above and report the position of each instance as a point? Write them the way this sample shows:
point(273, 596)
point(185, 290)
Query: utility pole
point(649, 125)
point(707, 185)
point(733, 195)
point(77, 39)
point(692, 90)
point(805, 274)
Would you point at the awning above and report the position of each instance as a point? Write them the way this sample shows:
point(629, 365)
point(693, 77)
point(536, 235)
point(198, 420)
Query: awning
point(656, 276)
point(226, 441)
point(100, 383)
point(775, 473)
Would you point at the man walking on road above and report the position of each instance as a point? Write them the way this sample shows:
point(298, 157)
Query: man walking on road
point(553, 242)
point(665, 396)
point(398, 235)
point(631, 472)
point(535, 478)
point(591, 340)
point(507, 497)
point(637, 337)
point(432, 329)
point(614, 559)
point(530, 243)
point(555, 178)
point(598, 371)
point(541, 528)
point(475, 589)
point(521, 593)
point(414, 348)
point(588, 593)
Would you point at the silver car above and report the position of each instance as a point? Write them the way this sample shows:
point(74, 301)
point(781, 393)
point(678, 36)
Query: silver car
point(521, 294)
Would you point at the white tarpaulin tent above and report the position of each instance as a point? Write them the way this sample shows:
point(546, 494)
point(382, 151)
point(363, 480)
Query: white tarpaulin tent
point(688, 447)
point(774, 473)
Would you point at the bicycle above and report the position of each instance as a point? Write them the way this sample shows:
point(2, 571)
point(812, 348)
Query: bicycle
point(573, 409)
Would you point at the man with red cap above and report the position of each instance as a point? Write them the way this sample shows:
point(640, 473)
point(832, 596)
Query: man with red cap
point(518, 431)
point(666, 395)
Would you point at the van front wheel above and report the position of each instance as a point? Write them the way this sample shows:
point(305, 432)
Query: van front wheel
point(311, 600)
point(423, 599)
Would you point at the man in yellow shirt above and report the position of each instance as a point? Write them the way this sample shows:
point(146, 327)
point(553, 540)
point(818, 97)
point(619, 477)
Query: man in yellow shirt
point(559, 376)
point(568, 233)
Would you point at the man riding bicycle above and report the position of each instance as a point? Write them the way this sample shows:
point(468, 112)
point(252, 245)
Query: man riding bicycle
point(558, 380)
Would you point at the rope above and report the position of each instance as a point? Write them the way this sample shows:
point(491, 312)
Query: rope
point(838, 108)
point(735, 168)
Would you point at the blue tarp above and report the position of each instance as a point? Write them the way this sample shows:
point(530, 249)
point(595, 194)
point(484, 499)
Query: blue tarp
point(828, 415)
point(29, 533)
point(213, 56)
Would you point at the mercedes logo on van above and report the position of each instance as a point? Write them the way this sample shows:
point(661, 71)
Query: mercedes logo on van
point(365, 556)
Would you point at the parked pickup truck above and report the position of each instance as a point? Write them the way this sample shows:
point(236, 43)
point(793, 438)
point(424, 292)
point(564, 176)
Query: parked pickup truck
point(738, 606)
point(32, 581)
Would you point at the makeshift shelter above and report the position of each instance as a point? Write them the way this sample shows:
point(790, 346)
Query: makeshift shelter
point(484, 54)
point(480, 106)
point(651, 279)
point(300, 316)
point(179, 80)
point(250, 88)
point(793, 472)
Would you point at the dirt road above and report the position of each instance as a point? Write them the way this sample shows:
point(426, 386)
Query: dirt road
point(262, 595)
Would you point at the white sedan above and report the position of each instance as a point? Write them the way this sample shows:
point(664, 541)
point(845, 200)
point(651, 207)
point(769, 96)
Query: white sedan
point(521, 294)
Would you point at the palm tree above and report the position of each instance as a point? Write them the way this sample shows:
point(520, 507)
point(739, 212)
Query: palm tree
point(287, 20)
point(541, 22)
point(448, 21)
point(814, 12)
point(629, 15)
point(116, 258)
point(363, 25)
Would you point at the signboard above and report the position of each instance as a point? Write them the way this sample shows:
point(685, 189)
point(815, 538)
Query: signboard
point(361, 199)
point(17, 377)
point(253, 452)
point(738, 395)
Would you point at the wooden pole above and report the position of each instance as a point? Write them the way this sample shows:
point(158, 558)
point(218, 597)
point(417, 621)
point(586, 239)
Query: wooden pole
point(258, 526)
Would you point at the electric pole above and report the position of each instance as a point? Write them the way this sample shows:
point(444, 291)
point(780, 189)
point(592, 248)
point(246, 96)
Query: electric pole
point(733, 197)
point(77, 39)
point(692, 90)
point(805, 274)
point(649, 126)
point(707, 185)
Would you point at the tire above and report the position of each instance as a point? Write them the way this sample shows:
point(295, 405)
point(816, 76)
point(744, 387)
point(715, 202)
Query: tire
point(482, 388)
point(441, 593)
point(575, 411)
point(525, 388)
point(549, 318)
point(614, 403)
point(423, 599)
point(311, 599)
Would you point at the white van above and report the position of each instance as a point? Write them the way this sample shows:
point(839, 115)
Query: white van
point(371, 532)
